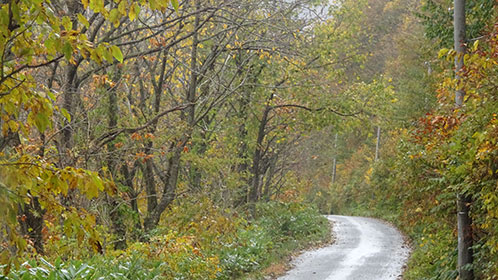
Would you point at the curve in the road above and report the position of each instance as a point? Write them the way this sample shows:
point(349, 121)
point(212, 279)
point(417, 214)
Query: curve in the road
point(364, 249)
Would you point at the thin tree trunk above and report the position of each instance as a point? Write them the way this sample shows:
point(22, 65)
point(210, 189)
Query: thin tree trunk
point(464, 226)
point(243, 167)
point(68, 104)
point(170, 180)
point(377, 145)
point(69, 92)
point(148, 168)
point(269, 177)
point(192, 93)
point(133, 194)
point(334, 161)
point(192, 89)
point(255, 188)
point(465, 239)
point(150, 184)
point(31, 221)
point(459, 41)
point(116, 217)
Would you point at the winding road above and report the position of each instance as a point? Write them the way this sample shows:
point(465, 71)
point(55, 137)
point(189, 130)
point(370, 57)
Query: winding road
point(364, 249)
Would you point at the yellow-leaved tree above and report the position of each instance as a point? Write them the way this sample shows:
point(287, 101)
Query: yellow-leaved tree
point(38, 37)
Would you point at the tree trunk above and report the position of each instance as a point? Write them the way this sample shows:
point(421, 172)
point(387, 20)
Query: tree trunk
point(31, 221)
point(243, 153)
point(459, 41)
point(127, 181)
point(465, 240)
point(377, 145)
point(334, 161)
point(116, 217)
point(464, 226)
point(170, 181)
point(69, 91)
point(269, 177)
point(150, 184)
point(195, 175)
point(254, 193)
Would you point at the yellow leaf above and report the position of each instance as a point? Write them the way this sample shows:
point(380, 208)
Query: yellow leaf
point(476, 45)
point(443, 52)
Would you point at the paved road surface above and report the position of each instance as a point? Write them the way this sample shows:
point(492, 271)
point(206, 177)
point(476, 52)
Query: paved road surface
point(365, 249)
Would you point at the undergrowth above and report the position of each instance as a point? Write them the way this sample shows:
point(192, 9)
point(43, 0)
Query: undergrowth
point(197, 241)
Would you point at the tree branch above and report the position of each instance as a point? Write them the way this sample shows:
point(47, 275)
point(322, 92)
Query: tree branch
point(111, 135)
point(316, 109)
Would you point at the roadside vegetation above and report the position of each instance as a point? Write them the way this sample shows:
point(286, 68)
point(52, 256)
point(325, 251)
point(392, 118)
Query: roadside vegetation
point(200, 241)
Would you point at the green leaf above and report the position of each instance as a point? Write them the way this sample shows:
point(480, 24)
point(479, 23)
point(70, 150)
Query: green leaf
point(97, 181)
point(91, 190)
point(66, 114)
point(175, 4)
point(97, 5)
point(116, 52)
point(107, 53)
point(50, 44)
point(114, 17)
point(83, 20)
point(67, 23)
point(134, 12)
point(42, 122)
point(59, 185)
point(51, 95)
point(153, 4)
point(122, 8)
point(4, 19)
point(12, 216)
point(67, 50)
point(15, 11)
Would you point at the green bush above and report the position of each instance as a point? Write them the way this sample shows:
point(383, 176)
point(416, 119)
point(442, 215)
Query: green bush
point(291, 221)
point(246, 253)
point(278, 229)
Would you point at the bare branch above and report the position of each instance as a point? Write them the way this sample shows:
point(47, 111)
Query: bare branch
point(111, 135)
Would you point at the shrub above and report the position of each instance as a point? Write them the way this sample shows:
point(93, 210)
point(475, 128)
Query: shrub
point(201, 241)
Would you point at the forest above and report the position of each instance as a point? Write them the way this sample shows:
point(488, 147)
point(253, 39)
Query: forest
point(201, 139)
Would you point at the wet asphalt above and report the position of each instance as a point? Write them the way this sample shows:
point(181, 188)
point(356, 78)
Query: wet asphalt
point(364, 249)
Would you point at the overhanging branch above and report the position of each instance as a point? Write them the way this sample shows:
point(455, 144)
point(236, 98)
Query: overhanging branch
point(111, 135)
point(316, 109)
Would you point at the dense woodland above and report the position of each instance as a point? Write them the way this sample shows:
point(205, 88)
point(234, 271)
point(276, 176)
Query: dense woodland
point(166, 139)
